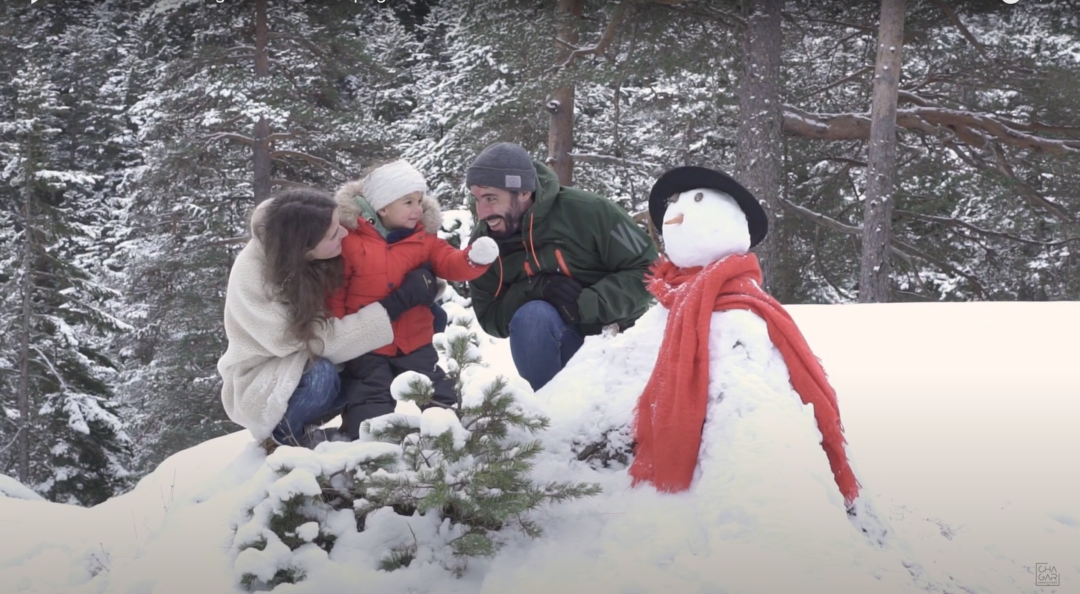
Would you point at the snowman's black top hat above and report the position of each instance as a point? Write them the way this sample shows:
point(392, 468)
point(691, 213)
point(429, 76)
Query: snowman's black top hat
point(683, 179)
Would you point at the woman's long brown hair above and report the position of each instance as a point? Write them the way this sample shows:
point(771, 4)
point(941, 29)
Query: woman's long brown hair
point(294, 223)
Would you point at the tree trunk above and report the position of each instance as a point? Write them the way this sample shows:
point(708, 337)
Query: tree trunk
point(23, 436)
point(757, 164)
point(561, 106)
point(260, 145)
point(877, 209)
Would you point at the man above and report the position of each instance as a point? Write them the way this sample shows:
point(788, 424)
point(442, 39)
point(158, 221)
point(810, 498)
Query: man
point(570, 262)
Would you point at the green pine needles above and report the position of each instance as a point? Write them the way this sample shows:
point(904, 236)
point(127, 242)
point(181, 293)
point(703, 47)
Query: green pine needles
point(452, 487)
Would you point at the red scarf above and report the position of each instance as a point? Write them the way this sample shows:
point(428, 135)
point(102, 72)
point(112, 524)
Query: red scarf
point(671, 411)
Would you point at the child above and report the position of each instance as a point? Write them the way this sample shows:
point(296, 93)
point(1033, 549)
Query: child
point(392, 226)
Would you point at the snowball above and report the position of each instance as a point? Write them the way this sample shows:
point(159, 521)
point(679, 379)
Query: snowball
point(483, 251)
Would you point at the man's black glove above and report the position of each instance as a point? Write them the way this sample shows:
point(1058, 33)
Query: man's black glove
point(418, 288)
point(562, 293)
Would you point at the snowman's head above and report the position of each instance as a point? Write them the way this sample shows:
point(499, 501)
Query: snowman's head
point(702, 226)
point(705, 215)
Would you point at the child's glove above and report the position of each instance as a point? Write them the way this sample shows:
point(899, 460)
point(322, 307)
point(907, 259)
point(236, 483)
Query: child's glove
point(483, 251)
point(418, 288)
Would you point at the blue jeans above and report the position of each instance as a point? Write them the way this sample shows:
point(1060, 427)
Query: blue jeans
point(315, 400)
point(541, 343)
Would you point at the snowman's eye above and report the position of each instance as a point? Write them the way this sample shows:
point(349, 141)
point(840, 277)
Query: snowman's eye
point(672, 199)
point(699, 197)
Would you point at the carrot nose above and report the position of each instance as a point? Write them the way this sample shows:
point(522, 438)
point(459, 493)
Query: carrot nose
point(674, 220)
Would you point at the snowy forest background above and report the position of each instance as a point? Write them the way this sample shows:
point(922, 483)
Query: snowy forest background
point(137, 135)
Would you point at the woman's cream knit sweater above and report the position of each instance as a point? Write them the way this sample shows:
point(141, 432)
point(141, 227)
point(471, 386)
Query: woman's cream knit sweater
point(263, 364)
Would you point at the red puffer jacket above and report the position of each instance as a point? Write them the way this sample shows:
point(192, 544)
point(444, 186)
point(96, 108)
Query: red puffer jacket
point(374, 269)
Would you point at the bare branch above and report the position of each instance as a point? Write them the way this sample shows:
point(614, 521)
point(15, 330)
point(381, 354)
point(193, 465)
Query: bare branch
point(896, 246)
point(848, 78)
point(990, 124)
point(610, 160)
point(863, 28)
point(911, 97)
point(1029, 193)
point(952, 222)
point(284, 183)
point(955, 18)
point(1040, 127)
point(726, 18)
point(975, 129)
point(14, 439)
point(821, 219)
point(48, 363)
point(228, 136)
point(281, 136)
point(601, 45)
point(847, 160)
point(304, 42)
point(941, 264)
point(318, 161)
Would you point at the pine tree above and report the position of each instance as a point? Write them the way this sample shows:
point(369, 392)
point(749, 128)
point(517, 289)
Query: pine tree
point(464, 470)
point(189, 203)
point(66, 419)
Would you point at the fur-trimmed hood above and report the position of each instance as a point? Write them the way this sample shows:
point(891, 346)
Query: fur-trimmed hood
point(352, 205)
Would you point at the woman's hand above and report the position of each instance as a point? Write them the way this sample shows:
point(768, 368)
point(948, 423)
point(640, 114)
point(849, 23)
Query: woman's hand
point(418, 288)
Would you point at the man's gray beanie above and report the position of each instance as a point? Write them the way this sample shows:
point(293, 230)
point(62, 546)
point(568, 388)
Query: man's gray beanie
point(503, 165)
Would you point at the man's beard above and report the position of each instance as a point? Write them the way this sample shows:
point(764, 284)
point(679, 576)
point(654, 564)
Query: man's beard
point(510, 226)
point(511, 220)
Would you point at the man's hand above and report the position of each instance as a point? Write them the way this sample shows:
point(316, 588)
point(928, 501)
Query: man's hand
point(562, 293)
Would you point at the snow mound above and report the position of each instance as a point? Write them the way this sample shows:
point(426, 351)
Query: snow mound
point(10, 487)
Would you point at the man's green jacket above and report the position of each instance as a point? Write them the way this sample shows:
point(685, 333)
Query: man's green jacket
point(572, 232)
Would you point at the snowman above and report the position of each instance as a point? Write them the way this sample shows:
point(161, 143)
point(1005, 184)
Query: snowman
point(737, 407)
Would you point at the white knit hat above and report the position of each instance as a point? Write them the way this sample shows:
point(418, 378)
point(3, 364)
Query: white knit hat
point(391, 182)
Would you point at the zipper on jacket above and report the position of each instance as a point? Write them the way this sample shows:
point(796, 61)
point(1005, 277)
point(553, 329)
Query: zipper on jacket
point(498, 289)
point(562, 263)
point(532, 244)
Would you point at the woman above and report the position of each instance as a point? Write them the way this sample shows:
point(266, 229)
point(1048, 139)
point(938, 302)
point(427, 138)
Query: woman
point(278, 371)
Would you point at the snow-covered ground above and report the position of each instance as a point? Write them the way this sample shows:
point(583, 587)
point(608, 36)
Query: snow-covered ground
point(960, 422)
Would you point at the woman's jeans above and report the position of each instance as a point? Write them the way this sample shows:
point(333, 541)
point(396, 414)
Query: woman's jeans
point(541, 343)
point(316, 400)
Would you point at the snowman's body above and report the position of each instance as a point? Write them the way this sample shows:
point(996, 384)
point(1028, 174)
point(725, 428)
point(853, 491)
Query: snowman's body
point(760, 451)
